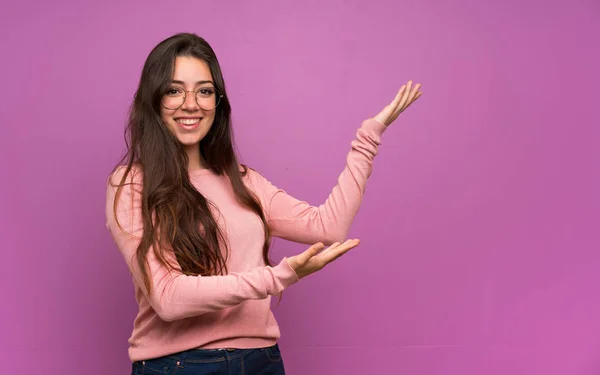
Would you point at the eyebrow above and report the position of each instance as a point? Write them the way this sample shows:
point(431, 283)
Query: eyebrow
point(197, 83)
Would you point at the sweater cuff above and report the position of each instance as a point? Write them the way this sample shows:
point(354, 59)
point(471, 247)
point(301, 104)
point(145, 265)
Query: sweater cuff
point(285, 273)
point(373, 126)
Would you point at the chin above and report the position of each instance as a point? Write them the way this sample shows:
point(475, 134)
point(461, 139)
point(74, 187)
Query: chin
point(189, 137)
point(189, 140)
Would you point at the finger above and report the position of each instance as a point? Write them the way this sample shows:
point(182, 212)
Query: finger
point(333, 246)
point(395, 104)
point(411, 101)
point(324, 254)
point(404, 98)
point(330, 255)
point(341, 250)
point(411, 97)
point(310, 252)
point(418, 96)
point(388, 111)
point(398, 96)
point(391, 108)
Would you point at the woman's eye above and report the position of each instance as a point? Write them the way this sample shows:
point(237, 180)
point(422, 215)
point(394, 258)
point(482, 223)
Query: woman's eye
point(206, 92)
point(174, 91)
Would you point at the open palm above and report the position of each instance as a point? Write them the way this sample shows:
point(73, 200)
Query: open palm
point(404, 98)
point(313, 259)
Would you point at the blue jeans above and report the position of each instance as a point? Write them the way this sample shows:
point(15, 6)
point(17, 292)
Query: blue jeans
point(262, 361)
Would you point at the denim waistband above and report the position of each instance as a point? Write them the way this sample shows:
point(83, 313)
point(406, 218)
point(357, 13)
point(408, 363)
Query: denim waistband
point(212, 355)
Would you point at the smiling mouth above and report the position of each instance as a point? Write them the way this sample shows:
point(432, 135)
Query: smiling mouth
point(188, 121)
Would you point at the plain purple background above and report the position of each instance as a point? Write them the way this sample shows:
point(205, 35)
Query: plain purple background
point(478, 250)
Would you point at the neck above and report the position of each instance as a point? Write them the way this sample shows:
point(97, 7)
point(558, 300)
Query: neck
point(195, 159)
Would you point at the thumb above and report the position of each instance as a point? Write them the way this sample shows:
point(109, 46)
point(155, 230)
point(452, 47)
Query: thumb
point(310, 252)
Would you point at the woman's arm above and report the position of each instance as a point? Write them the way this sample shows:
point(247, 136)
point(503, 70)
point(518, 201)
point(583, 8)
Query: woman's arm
point(175, 295)
point(298, 221)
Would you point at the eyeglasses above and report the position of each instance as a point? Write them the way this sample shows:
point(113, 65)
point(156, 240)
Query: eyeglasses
point(207, 98)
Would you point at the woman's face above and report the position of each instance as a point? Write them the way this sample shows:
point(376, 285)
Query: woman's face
point(188, 107)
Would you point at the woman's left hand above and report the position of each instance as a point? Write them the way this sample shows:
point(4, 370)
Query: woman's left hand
point(405, 97)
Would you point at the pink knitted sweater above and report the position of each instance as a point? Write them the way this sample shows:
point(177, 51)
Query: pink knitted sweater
point(233, 311)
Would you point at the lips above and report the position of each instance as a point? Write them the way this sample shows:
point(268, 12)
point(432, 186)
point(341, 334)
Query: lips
point(188, 122)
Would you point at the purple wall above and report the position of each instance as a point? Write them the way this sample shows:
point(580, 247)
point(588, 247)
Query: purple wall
point(478, 254)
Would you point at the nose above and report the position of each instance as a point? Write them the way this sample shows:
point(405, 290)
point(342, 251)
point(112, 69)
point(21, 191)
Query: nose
point(190, 103)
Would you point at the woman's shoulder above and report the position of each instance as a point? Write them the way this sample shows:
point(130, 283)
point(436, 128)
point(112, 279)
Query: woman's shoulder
point(124, 173)
point(257, 181)
point(250, 174)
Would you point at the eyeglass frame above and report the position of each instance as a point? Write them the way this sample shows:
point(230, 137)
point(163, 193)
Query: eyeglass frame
point(219, 97)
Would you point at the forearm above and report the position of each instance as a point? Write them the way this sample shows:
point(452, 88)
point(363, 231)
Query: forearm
point(329, 222)
point(176, 296)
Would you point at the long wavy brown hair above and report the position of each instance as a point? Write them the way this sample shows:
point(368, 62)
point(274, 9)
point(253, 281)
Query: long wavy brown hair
point(176, 216)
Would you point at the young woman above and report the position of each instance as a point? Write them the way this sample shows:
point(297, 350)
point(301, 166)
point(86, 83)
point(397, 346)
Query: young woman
point(194, 225)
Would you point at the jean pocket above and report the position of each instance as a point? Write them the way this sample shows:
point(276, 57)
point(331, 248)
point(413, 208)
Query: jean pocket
point(273, 353)
point(158, 366)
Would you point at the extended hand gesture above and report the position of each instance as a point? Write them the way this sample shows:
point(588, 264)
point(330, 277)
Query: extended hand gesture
point(312, 261)
point(405, 97)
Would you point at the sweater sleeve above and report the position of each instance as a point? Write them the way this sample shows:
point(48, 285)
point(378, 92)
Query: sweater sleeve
point(175, 295)
point(298, 221)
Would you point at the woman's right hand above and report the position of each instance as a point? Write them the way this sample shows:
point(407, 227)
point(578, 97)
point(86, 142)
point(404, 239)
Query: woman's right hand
point(312, 260)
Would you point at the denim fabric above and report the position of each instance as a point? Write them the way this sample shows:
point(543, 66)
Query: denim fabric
point(261, 361)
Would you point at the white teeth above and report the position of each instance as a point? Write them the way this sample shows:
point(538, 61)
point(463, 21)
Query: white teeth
point(188, 121)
